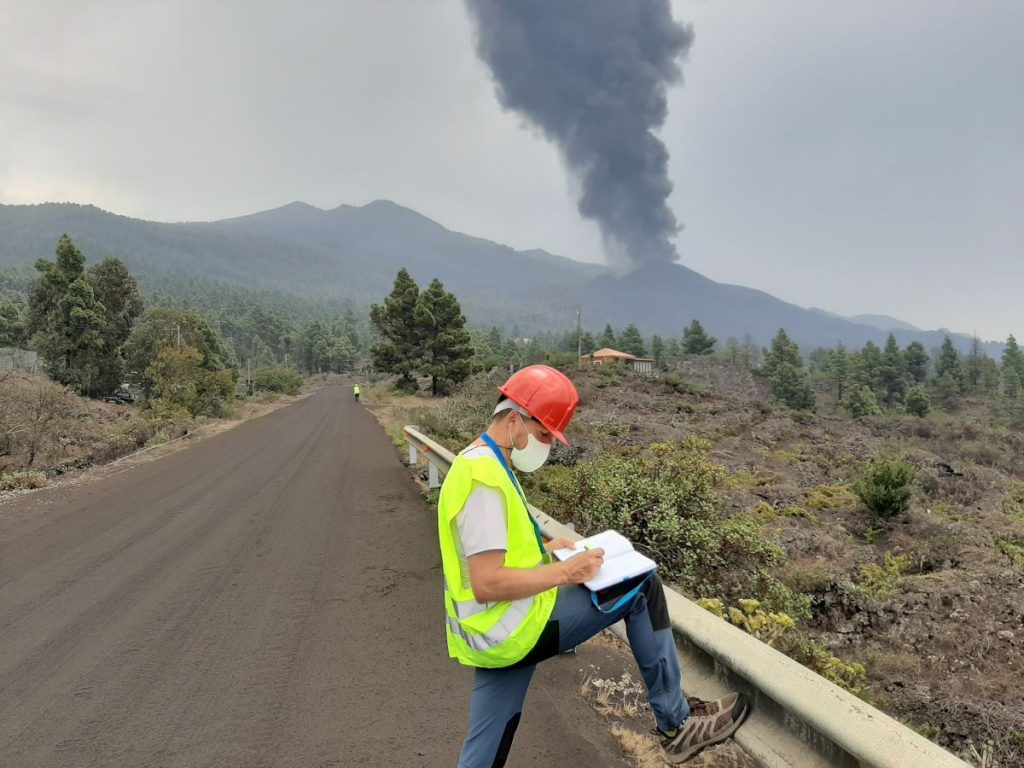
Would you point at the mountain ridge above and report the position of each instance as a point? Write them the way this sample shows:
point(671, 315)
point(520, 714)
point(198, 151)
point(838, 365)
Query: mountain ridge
point(353, 252)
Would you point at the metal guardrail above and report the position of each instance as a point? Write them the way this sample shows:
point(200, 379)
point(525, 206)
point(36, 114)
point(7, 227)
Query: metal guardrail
point(798, 718)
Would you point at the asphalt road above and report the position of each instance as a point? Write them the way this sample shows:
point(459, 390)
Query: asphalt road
point(269, 596)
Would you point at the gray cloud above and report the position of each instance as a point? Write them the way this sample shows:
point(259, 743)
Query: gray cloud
point(862, 157)
point(592, 76)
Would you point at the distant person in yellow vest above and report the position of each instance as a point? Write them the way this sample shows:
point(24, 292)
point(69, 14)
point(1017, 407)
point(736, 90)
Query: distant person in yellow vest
point(509, 606)
point(355, 391)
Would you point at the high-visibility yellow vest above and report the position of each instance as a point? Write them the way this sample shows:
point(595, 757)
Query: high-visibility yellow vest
point(494, 634)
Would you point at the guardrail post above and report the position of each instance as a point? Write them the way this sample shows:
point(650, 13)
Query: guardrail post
point(412, 454)
point(432, 477)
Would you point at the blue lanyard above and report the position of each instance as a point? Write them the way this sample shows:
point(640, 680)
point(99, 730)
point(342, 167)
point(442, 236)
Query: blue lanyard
point(622, 600)
point(540, 538)
point(515, 482)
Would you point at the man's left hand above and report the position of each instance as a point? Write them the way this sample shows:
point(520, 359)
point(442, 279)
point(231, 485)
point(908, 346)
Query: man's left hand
point(560, 543)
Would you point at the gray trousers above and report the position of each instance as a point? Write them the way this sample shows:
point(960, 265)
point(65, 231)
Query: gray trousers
point(498, 694)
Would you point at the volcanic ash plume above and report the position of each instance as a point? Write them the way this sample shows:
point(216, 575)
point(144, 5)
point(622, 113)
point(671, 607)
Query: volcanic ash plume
point(592, 75)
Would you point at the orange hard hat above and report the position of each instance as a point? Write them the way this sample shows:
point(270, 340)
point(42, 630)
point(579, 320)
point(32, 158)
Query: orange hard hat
point(546, 394)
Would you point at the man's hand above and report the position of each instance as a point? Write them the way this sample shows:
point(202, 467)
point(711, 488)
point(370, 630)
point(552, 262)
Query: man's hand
point(562, 543)
point(584, 566)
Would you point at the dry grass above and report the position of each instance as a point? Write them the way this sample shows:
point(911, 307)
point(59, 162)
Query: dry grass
point(642, 748)
point(47, 431)
point(621, 697)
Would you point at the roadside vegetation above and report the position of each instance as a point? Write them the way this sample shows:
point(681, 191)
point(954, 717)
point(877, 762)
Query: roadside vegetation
point(89, 374)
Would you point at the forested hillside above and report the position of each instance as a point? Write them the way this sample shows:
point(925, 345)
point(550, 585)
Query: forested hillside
point(351, 255)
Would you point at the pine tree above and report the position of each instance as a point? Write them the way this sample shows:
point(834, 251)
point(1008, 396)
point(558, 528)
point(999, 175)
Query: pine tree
point(445, 343)
point(867, 366)
point(732, 353)
point(1012, 383)
point(65, 319)
point(974, 365)
point(608, 338)
point(400, 347)
point(783, 350)
point(313, 347)
point(696, 340)
point(948, 363)
point(116, 289)
point(494, 339)
point(751, 352)
point(989, 381)
point(818, 361)
point(839, 369)
point(343, 355)
point(792, 386)
point(658, 351)
point(916, 360)
point(892, 373)
point(631, 341)
point(12, 324)
point(785, 369)
point(672, 352)
point(588, 342)
point(1012, 368)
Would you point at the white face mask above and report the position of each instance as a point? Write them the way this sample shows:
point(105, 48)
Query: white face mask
point(532, 457)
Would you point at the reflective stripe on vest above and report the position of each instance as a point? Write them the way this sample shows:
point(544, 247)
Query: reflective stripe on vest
point(497, 634)
point(468, 608)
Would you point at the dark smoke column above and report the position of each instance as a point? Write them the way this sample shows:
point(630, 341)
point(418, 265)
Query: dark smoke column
point(591, 75)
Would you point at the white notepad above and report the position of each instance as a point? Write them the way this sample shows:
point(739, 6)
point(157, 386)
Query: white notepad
point(621, 561)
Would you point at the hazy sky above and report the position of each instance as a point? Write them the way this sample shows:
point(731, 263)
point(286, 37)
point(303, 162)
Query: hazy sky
point(858, 156)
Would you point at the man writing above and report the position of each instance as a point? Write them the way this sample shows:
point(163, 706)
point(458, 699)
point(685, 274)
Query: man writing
point(510, 607)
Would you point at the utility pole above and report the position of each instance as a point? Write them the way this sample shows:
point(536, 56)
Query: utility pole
point(248, 377)
point(579, 338)
point(178, 328)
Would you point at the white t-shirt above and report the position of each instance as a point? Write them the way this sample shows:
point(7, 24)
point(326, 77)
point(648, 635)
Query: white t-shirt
point(481, 521)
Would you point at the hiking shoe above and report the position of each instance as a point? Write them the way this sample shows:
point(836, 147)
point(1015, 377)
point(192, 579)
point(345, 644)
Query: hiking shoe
point(700, 707)
point(710, 722)
point(703, 707)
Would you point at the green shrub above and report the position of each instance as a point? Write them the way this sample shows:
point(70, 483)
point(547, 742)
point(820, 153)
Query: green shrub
point(826, 497)
point(180, 377)
point(805, 578)
point(766, 626)
point(1013, 549)
point(1013, 503)
point(778, 629)
point(918, 403)
point(763, 512)
point(815, 655)
point(165, 420)
point(681, 386)
point(880, 582)
point(885, 486)
point(22, 479)
point(861, 401)
point(664, 499)
point(278, 378)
